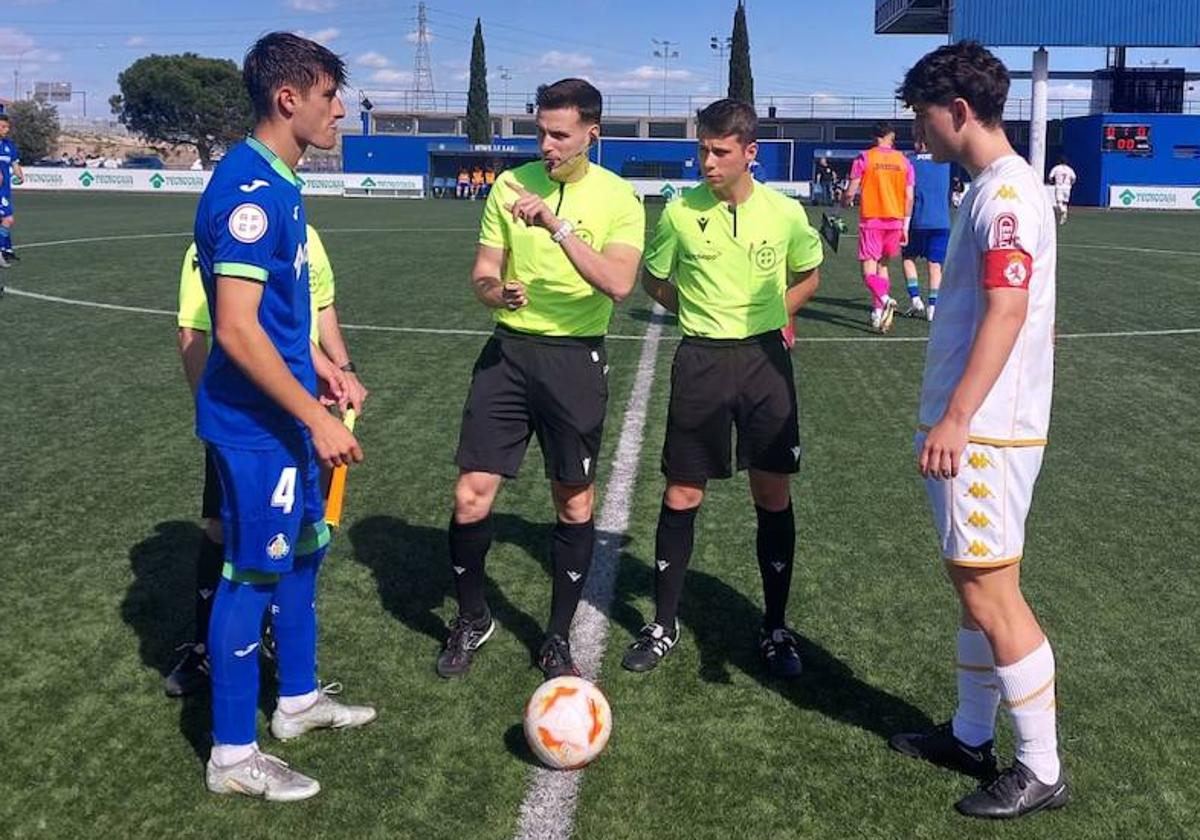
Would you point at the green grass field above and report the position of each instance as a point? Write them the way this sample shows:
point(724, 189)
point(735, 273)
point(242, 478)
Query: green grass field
point(99, 499)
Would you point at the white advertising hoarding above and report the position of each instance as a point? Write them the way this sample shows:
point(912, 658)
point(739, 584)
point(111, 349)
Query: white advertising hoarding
point(98, 179)
point(1154, 198)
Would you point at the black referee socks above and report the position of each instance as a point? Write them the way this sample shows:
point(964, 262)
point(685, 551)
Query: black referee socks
point(571, 555)
point(469, 546)
point(776, 554)
point(209, 561)
point(672, 551)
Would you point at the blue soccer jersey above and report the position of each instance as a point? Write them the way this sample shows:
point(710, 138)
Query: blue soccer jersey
point(250, 224)
point(931, 196)
point(8, 156)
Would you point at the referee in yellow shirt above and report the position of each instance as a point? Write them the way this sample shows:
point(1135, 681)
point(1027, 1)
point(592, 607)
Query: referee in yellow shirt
point(560, 240)
point(736, 260)
point(190, 674)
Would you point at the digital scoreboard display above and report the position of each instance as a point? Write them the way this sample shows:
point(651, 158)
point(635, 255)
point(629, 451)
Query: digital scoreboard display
point(1133, 139)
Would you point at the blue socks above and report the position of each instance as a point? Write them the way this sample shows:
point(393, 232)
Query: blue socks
point(295, 618)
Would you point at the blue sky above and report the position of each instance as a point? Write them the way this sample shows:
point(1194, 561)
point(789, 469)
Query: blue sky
point(805, 47)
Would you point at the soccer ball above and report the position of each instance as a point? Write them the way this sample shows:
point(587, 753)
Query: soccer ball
point(567, 722)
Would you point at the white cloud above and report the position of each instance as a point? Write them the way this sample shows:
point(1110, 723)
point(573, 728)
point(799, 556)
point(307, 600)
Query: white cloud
point(17, 45)
point(1069, 90)
point(135, 41)
point(650, 72)
point(373, 59)
point(312, 5)
point(392, 77)
point(557, 60)
point(321, 36)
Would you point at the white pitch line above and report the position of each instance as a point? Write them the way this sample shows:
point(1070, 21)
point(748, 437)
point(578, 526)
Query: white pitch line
point(828, 339)
point(548, 810)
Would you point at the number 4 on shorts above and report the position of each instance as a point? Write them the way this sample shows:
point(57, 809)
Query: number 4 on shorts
point(284, 496)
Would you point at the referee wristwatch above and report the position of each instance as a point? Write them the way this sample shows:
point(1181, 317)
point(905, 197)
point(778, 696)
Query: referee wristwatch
point(564, 230)
point(348, 368)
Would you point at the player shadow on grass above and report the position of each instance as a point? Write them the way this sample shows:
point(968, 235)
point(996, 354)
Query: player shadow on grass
point(858, 324)
point(159, 606)
point(412, 572)
point(723, 625)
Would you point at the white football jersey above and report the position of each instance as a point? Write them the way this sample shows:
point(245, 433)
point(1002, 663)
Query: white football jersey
point(1062, 176)
point(1004, 233)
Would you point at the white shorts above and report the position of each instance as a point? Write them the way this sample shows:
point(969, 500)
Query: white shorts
point(1062, 197)
point(980, 514)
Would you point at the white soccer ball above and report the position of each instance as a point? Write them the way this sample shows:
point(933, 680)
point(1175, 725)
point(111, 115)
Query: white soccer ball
point(567, 722)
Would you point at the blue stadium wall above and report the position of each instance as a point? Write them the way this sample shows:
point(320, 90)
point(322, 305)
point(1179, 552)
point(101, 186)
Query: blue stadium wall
point(1174, 139)
point(410, 155)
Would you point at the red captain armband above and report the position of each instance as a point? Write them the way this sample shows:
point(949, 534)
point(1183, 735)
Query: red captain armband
point(1007, 268)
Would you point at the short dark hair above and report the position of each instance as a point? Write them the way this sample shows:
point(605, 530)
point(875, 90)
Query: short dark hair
point(966, 70)
point(4, 118)
point(282, 58)
point(579, 94)
point(728, 116)
point(882, 129)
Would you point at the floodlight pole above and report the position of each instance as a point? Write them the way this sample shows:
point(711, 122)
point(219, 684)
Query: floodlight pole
point(1037, 115)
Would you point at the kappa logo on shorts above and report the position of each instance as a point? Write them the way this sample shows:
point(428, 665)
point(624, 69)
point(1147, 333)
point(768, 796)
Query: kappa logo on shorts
point(979, 490)
point(978, 548)
point(248, 223)
point(278, 547)
point(979, 460)
point(979, 520)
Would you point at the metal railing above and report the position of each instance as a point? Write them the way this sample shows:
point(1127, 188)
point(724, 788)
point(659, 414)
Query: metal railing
point(813, 106)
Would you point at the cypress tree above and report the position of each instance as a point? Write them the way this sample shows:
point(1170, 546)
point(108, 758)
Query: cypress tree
point(741, 80)
point(479, 123)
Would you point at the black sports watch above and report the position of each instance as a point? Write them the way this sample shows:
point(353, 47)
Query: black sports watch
point(349, 367)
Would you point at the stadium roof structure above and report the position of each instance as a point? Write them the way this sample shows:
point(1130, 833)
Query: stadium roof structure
point(1045, 23)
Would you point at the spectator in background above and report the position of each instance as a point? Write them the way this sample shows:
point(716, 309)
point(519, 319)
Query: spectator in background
point(489, 178)
point(463, 188)
point(826, 181)
point(476, 182)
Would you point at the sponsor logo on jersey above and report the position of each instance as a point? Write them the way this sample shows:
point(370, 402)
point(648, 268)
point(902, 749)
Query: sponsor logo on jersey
point(256, 184)
point(248, 223)
point(1006, 192)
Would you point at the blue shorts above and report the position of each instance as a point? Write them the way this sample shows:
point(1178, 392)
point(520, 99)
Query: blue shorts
point(272, 509)
point(929, 243)
point(5, 206)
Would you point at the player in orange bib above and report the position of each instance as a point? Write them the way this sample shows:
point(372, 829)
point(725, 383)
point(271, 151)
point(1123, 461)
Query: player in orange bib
point(886, 178)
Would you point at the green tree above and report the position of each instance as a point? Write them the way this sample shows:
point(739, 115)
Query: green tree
point(741, 80)
point(479, 123)
point(34, 128)
point(184, 99)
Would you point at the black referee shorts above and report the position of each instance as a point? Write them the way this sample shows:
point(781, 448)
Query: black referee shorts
point(522, 385)
point(210, 507)
point(718, 385)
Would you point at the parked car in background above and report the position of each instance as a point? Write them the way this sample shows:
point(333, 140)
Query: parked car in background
point(144, 162)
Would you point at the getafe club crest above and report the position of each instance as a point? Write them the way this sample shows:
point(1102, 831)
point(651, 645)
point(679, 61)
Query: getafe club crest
point(278, 547)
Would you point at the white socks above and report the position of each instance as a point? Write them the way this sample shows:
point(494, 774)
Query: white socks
point(223, 755)
point(298, 703)
point(978, 689)
point(1027, 688)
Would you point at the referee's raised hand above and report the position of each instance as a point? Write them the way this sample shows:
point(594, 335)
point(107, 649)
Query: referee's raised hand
point(532, 210)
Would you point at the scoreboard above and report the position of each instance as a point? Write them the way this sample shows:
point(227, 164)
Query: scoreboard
point(1128, 138)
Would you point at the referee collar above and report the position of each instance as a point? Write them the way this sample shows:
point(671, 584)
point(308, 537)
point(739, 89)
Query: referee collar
point(281, 168)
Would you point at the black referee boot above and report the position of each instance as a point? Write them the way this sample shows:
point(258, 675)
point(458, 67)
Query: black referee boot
point(466, 636)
